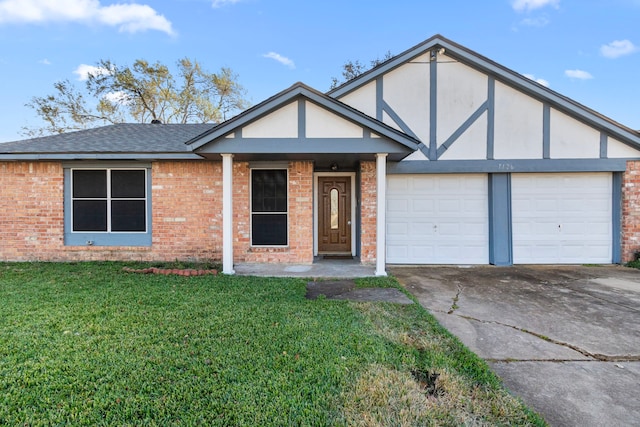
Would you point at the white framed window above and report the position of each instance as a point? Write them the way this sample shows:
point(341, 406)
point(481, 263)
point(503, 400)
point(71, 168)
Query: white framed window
point(269, 207)
point(109, 200)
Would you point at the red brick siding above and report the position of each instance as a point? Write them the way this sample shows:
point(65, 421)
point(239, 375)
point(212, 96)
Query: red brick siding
point(186, 214)
point(300, 248)
point(187, 210)
point(631, 211)
point(31, 211)
point(368, 204)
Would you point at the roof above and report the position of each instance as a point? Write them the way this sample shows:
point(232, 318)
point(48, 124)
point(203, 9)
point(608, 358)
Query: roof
point(154, 141)
point(183, 141)
point(141, 140)
point(294, 92)
point(502, 74)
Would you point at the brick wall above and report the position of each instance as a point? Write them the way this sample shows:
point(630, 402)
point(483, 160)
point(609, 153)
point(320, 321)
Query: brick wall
point(631, 211)
point(300, 248)
point(186, 214)
point(368, 210)
point(187, 210)
point(31, 211)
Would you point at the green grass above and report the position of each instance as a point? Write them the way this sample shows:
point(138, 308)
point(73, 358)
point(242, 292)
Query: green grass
point(633, 264)
point(88, 344)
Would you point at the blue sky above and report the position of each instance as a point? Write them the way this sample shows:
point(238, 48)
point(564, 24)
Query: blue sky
point(587, 50)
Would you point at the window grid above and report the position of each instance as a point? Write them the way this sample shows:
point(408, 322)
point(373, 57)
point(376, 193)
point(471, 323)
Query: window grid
point(109, 199)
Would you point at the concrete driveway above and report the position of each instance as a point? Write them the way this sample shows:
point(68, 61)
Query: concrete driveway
point(566, 339)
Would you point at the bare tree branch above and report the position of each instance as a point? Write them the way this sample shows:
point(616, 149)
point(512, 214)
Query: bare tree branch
point(141, 93)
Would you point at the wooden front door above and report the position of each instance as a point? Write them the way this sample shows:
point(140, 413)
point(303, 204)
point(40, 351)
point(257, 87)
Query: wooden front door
point(334, 215)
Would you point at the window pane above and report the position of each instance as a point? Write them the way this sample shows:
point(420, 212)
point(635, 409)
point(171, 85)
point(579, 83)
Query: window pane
point(128, 215)
point(127, 183)
point(89, 183)
point(334, 208)
point(89, 215)
point(269, 229)
point(269, 190)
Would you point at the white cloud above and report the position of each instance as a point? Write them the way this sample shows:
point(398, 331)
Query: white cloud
point(617, 48)
point(281, 59)
point(84, 70)
point(219, 3)
point(528, 5)
point(126, 17)
point(44, 61)
point(132, 18)
point(542, 82)
point(578, 74)
point(117, 97)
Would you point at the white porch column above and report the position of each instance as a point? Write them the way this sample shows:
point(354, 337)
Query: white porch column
point(227, 214)
point(381, 213)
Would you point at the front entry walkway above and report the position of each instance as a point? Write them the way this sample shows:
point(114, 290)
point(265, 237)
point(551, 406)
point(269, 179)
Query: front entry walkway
point(335, 268)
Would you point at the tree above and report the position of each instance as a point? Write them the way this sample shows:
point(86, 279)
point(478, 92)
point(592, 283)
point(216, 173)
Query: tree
point(141, 93)
point(352, 69)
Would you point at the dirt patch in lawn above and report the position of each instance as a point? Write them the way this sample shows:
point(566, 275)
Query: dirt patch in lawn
point(347, 290)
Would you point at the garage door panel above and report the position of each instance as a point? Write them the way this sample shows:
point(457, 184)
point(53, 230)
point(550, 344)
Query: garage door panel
point(472, 253)
point(449, 229)
point(398, 205)
point(397, 251)
point(446, 217)
point(396, 229)
point(418, 230)
point(396, 186)
point(449, 206)
point(537, 252)
point(576, 231)
point(585, 231)
point(423, 206)
point(562, 218)
point(418, 251)
point(475, 229)
point(577, 205)
point(474, 208)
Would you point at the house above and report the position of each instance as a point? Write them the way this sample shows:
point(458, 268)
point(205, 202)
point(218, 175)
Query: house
point(437, 156)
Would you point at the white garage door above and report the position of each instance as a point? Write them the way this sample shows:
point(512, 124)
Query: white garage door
point(561, 218)
point(437, 219)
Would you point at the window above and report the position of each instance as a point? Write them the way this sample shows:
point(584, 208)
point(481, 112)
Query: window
point(269, 207)
point(109, 200)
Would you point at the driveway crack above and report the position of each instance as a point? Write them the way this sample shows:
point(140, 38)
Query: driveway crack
point(595, 356)
point(456, 298)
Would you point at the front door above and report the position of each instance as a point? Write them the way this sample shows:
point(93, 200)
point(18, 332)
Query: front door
point(334, 215)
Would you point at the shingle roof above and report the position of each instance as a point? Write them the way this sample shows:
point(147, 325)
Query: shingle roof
point(118, 138)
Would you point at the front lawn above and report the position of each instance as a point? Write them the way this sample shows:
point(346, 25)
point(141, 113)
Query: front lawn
point(89, 344)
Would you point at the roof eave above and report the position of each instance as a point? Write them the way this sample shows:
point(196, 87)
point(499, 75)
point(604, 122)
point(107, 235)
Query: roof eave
point(97, 156)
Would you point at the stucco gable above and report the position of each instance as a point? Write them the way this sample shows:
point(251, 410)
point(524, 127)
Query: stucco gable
point(438, 48)
point(303, 120)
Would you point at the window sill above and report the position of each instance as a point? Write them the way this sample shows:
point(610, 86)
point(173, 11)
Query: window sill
point(89, 240)
point(107, 248)
point(269, 249)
